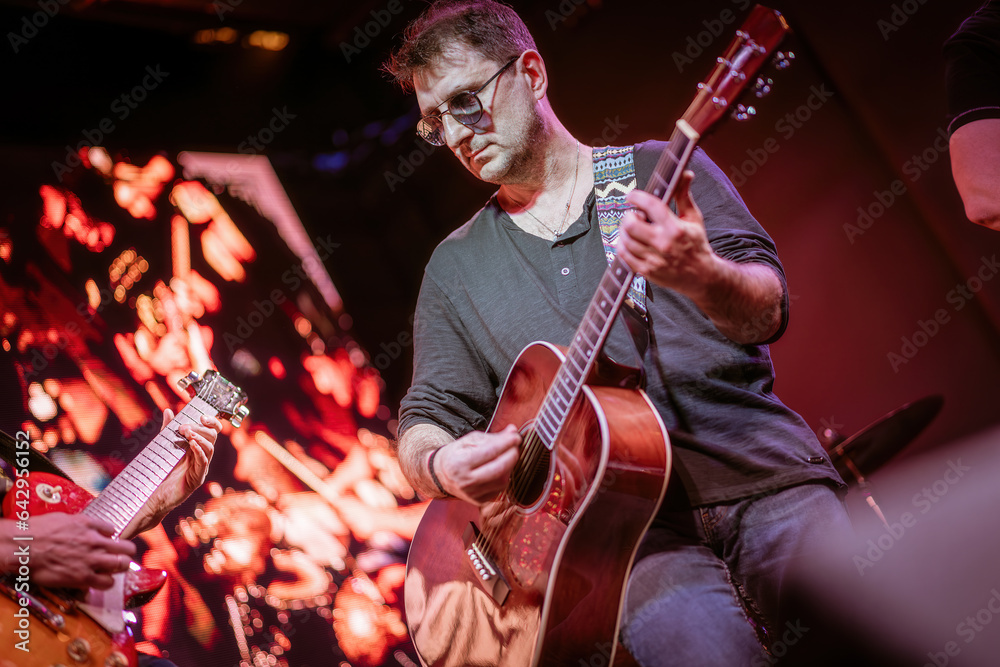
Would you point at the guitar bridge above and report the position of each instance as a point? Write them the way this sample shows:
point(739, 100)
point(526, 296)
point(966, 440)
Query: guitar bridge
point(492, 581)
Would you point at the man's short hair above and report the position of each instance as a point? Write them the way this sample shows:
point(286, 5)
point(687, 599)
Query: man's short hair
point(491, 28)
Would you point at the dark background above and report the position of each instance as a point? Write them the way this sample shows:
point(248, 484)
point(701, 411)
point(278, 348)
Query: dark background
point(614, 69)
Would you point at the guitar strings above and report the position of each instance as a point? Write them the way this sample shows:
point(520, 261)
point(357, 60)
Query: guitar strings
point(525, 471)
point(531, 457)
point(491, 532)
point(517, 486)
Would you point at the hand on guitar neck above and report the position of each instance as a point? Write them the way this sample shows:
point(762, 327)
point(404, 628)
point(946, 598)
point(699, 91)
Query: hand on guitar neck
point(185, 478)
point(672, 250)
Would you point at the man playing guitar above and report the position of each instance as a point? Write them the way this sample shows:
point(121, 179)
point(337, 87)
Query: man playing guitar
point(752, 486)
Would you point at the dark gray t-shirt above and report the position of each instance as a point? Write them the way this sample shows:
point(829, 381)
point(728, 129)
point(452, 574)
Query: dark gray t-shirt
point(490, 289)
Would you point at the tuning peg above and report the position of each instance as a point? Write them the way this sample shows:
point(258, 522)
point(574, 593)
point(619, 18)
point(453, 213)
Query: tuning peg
point(239, 415)
point(742, 112)
point(189, 382)
point(763, 86)
point(783, 59)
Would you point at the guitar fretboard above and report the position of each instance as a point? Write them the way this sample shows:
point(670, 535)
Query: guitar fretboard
point(121, 500)
point(604, 306)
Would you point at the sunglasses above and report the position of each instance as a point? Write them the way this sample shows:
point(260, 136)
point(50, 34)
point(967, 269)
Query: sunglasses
point(465, 107)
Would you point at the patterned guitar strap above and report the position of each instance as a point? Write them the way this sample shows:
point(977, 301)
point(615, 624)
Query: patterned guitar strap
point(614, 177)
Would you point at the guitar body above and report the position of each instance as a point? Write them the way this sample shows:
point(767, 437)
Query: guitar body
point(48, 644)
point(563, 552)
point(47, 493)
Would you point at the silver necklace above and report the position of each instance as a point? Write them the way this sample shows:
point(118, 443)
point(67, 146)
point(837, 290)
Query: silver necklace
point(576, 175)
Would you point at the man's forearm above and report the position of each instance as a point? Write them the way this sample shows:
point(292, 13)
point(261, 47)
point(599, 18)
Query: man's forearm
point(146, 519)
point(975, 165)
point(413, 449)
point(743, 300)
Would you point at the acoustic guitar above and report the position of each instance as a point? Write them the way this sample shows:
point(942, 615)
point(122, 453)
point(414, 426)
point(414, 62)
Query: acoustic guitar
point(60, 627)
point(537, 576)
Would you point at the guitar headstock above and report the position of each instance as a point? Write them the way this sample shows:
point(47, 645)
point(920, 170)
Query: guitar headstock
point(225, 397)
point(755, 42)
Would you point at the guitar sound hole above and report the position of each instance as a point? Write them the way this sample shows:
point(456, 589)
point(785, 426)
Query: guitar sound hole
point(531, 472)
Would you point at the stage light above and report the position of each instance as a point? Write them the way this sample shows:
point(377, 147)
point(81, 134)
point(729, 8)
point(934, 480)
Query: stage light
point(276, 367)
point(40, 403)
point(303, 326)
point(196, 203)
point(93, 294)
point(208, 36)
point(316, 344)
point(244, 361)
point(332, 162)
point(268, 40)
point(54, 205)
point(100, 160)
point(226, 35)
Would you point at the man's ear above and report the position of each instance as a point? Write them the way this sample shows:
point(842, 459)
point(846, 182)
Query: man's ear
point(533, 68)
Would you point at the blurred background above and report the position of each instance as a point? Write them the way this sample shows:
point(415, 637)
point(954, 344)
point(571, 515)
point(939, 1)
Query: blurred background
point(235, 184)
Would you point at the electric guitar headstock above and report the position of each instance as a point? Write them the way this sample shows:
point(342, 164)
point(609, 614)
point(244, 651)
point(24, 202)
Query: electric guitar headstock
point(225, 397)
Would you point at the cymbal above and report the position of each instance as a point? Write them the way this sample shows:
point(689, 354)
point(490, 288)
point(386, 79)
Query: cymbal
point(873, 446)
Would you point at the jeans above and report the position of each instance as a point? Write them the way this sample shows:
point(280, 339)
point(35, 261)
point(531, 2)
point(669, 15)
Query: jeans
point(706, 587)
